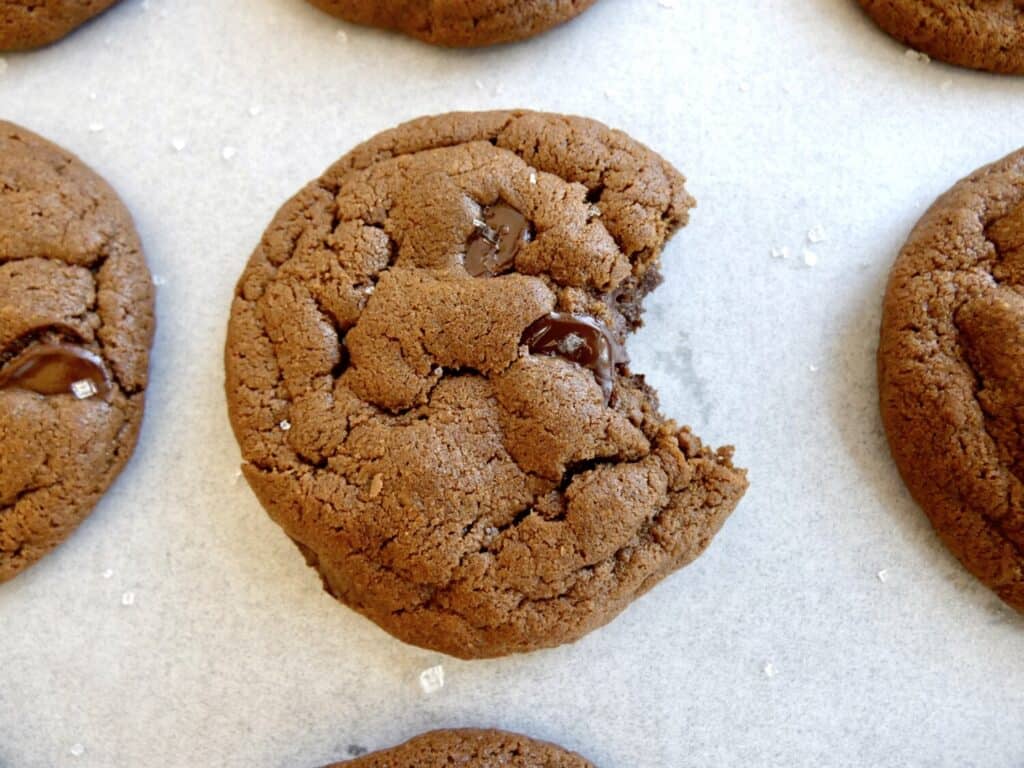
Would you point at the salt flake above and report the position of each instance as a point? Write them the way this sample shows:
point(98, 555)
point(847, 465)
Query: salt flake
point(432, 680)
point(83, 389)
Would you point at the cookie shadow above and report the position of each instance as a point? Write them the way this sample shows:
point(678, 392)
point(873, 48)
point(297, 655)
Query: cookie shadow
point(854, 410)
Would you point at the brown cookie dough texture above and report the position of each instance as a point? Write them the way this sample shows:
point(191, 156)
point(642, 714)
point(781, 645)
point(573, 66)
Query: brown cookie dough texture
point(463, 493)
point(75, 298)
point(470, 749)
point(34, 23)
point(951, 371)
point(980, 34)
point(458, 23)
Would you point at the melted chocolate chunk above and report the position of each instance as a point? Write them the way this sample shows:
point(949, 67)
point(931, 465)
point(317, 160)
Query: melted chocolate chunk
point(580, 339)
point(57, 369)
point(492, 249)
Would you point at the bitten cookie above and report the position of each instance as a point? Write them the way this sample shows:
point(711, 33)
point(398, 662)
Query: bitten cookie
point(426, 376)
point(459, 23)
point(471, 749)
point(76, 321)
point(34, 23)
point(951, 371)
point(983, 34)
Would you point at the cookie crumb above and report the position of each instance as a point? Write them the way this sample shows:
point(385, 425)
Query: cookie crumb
point(810, 258)
point(917, 56)
point(3, 65)
point(342, 36)
point(83, 389)
point(76, 750)
point(228, 153)
point(817, 234)
point(128, 598)
point(769, 670)
point(355, 750)
point(376, 485)
point(432, 679)
point(285, 425)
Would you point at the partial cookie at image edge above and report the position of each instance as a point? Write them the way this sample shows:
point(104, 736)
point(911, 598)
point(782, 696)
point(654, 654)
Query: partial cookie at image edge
point(951, 371)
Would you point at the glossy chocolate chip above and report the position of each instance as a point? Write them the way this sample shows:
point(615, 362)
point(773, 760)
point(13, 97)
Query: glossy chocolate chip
point(579, 339)
point(57, 369)
point(500, 233)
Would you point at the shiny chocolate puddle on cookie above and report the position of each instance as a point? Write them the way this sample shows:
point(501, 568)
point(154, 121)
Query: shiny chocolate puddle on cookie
point(57, 369)
point(499, 235)
point(581, 340)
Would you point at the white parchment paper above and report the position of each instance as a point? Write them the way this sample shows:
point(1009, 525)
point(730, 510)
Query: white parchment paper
point(825, 627)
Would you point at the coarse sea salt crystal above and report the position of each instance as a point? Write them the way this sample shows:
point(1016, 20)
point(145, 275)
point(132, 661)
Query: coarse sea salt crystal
point(83, 389)
point(432, 679)
point(810, 258)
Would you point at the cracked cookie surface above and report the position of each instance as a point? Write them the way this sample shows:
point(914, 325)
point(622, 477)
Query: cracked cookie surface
point(448, 430)
point(980, 34)
point(458, 23)
point(35, 23)
point(76, 322)
point(951, 371)
point(470, 748)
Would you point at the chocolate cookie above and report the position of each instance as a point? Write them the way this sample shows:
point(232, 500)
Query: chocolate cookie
point(34, 23)
point(951, 371)
point(425, 373)
point(76, 321)
point(471, 749)
point(982, 34)
point(459, 23)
